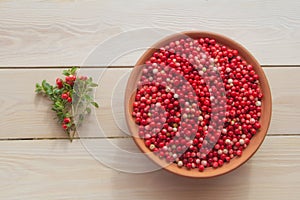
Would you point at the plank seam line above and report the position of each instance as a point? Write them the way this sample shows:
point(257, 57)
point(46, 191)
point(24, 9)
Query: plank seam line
point(66, 67)
point(63, 138)
point(120, 67)
point(116, 137)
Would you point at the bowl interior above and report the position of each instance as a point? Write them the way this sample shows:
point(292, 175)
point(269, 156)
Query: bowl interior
point(256, 140)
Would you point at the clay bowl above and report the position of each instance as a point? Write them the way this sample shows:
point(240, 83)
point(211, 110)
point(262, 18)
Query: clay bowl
point(256, 140)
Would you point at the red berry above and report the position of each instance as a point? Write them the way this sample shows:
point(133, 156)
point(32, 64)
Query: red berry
point(59, 83)
point(64, 96)
point(215, 165)
point(238, 152)
point(235, 52)
point(67, 120)
point(64, 126)
point(201, 168)
point(70, 79)
point(189, 165)
point(69, 99)
point(83, 78)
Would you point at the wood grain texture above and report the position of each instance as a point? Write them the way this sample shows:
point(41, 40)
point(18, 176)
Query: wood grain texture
point(25, 115)
point(57, 169)
point(62, 33)
point(35, 35)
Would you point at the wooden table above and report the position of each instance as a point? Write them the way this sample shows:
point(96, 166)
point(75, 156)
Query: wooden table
point(39, 38)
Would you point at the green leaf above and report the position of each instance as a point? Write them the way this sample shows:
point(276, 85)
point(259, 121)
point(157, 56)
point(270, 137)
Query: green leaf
point(49, 91)
point(69, 125)
point(88, 97)
point(46, 86)
point(38, 88)
point(81, 117)
point(68, 72)
point(88, 110)
point(73, 70)
point(89, 80)
point(95, 104)
point(58, 104)
point(57, 91)
point(93, 85)
point(38, 85)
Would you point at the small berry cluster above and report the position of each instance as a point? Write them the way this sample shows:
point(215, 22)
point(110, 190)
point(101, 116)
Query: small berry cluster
point(66, 96)
point(63, 94)
point(198, 103)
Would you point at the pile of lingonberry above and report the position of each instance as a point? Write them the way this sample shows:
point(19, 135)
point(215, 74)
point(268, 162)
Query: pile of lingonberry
point(198, 103)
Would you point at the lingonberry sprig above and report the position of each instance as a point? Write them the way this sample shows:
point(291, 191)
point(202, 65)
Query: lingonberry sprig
point(72, 99)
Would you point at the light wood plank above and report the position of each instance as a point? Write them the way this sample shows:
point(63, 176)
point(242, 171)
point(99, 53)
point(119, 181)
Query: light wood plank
point(285, 89)
point(62, 33)
point(58, 169)
point(25, 115)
